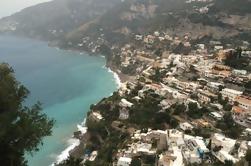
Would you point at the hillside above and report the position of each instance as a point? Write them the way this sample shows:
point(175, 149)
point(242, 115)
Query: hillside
point(51, 20)
point(176, 17)
point(90, 24)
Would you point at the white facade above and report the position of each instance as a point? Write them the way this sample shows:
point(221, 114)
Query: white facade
point(123, 114)
point(244, 103)
point(124, 161)
point(227, 144)
point(231, 94)
point(124, 103)
point(186, 126)
point(216, 115)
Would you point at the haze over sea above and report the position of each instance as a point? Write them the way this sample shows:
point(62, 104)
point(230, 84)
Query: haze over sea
point(65, 82)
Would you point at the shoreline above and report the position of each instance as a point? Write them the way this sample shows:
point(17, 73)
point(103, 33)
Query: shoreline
point(81, 135)
point(75, 144)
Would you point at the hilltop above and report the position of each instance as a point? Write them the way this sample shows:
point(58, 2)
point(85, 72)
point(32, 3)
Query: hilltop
point(52, 20)
point(116, 22)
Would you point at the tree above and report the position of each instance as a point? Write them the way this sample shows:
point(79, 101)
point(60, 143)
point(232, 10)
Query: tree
point(228, 126)
point(174, 123)
point(136, 162)
point(248, 87)
point(248, 156)
point(209, 145)
point(179, 108)
point(22, 128)
point(228, 163)
point(193, 111)
point(227, 107)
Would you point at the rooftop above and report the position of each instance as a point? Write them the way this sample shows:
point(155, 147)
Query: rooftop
point(232, 91)
point(244, 100)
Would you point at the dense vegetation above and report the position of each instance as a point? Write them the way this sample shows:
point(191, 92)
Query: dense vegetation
point(237, 61)
point(22, 128)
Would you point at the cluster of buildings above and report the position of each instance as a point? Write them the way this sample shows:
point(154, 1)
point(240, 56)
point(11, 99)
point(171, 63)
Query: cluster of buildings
point(174, 148)
point(198, 75)
point(198, 78)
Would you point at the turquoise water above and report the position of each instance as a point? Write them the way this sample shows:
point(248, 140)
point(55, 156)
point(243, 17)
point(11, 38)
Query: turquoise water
point(65, 82)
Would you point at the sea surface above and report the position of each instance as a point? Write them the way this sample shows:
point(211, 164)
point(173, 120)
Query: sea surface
point(65, 82)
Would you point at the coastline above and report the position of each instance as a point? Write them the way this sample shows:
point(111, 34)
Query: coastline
point(81, 136)
point(75, 143)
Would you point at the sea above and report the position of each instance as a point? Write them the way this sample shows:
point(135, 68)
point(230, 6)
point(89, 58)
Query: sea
point(65, 82)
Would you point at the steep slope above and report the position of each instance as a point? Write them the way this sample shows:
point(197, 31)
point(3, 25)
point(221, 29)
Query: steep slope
point(53, 19)
point(80, 23)
point(217, 19)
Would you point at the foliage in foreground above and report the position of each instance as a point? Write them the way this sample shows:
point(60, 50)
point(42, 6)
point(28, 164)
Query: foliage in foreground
point(22, 128)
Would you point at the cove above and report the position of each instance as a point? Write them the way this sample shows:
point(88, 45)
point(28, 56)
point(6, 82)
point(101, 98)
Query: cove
point(65, 82)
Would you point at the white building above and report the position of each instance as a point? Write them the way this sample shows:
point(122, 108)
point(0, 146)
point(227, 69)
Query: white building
point(186, 126)
point(126, 104)
point(216, 115)
point(123, 114)
point(96, 116)
point(124, 161)
point(244, 103)
point(173, 158)
point(175, 137)
point(239, 72)
point(231, 94)
point(226, 144)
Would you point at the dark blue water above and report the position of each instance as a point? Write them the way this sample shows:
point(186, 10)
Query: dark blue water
point(66, 83)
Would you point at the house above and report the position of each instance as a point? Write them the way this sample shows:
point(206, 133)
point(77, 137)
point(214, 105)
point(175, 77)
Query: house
point(138, 37)
point(96, 116)
point(201, 123)
point(238, 111)
point(124, 161)
point(156, 33)
point(123, 114)
point(221, 73)
point(226, 146)
point(144, 148)
point(195, 149)
point(201, 46)
point(216, 115)
point(149, 39)
point(247, 131)
point(166, 159)
point(231, 94)
point(123, 89)
point(223, 54)
point(126, 104)
point(223, 156)
point(166, 103)
point(217, 48)
point(244, 103)
point(186, 126)
point(206, 96)
point(93, 155)
point(242, 149)
point(173, 158)
point(175, 137)
point(239, 72)
point(217, 106)
point(214, 86)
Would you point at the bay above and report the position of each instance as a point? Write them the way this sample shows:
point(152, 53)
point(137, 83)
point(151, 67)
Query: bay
point(65, 82)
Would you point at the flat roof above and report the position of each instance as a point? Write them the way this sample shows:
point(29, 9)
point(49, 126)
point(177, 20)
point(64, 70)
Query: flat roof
point(216, 114)
point(232, 91)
